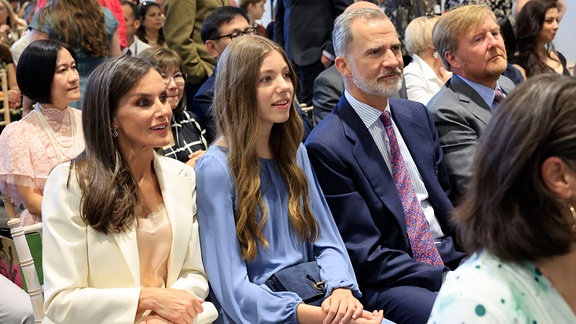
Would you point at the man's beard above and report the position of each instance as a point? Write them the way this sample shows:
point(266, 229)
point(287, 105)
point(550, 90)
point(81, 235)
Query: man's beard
point(389, 89)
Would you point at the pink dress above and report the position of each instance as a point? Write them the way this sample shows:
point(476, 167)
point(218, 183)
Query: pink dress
point(30, 150)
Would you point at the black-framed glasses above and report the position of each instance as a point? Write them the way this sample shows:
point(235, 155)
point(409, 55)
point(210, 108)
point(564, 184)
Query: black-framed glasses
point(247, 31)
point(179, 78)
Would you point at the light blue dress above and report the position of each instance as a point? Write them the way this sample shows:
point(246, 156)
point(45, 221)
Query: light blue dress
point(486, 290)
point(84, 62)
point(238, 287)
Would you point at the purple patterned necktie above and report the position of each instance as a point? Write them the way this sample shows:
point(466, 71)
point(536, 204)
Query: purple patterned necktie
point(421, 240)
point(498, 97)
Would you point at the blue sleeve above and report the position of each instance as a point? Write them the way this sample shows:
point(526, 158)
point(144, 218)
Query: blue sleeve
point(110, 22)
point(238, 299)
point(35, 23)
point(329, 248)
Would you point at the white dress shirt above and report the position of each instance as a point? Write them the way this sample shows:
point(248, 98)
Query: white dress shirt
point(422, 83)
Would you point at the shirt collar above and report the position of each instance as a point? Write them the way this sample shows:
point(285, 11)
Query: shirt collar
point(485, 92)
point(368, 114)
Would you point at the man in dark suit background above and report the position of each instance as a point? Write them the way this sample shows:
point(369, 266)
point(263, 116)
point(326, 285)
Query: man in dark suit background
point(469, 41)
point(357, 152)
point(303, 28)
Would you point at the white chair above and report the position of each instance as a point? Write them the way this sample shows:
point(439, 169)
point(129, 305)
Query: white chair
point(5, 110)
point(18, 232)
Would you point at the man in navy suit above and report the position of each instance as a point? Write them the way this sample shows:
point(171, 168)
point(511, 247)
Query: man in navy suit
point(352, 159)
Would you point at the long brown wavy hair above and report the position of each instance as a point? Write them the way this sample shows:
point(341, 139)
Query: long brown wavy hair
point(80, 24)
point(235, 109)
point(110, 199)
point(528, 26)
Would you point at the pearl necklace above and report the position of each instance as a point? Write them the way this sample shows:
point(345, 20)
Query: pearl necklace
point(56, 144)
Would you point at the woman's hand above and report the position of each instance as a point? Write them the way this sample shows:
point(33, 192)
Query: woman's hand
point(194, 157)
point(173, 305)
point(370, 318)
point(153, 319)
point(341, 307)
point(14, 99)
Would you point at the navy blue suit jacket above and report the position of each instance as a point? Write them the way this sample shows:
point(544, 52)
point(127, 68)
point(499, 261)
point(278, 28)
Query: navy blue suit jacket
point(202, 106)
point(365, 203)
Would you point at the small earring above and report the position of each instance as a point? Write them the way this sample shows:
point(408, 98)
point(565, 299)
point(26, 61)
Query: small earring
point(573, 211)
point(436, 55)
point(114, 131)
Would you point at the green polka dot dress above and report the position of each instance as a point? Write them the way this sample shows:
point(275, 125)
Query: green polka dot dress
point(486, 290)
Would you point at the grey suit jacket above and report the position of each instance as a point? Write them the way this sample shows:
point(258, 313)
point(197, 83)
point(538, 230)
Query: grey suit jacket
point(460, 115)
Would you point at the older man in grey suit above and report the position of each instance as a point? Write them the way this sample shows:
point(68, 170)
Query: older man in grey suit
point(469, 42)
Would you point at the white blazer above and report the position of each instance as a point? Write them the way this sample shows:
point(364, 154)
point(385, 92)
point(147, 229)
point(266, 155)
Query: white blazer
point(91, 277)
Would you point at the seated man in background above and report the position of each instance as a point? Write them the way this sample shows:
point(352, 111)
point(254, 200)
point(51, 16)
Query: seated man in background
point(218, 30)
point(469, 42)
point(380, 166)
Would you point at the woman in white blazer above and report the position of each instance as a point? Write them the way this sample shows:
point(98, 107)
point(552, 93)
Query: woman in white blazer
point(120, 232)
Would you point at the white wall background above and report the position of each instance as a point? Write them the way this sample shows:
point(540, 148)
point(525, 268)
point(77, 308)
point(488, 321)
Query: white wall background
point(565, 41)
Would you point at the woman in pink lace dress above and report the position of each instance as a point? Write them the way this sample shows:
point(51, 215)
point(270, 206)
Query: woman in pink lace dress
point(47, 136)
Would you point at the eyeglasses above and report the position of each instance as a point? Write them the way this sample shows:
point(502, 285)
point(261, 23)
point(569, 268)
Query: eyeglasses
point(179, 78)
point(247, 31)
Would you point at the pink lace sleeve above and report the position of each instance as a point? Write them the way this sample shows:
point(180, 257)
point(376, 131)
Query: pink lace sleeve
point(28, 155)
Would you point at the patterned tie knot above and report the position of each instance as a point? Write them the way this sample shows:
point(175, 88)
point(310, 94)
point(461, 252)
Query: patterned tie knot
point(498, 96)
point(386, 119)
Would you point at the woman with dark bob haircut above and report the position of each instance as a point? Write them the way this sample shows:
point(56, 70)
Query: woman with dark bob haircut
point(50, 134)
point(121, 218)
point(518, 218)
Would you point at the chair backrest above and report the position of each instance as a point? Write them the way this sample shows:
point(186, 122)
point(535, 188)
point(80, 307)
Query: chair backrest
point(5, 110)
point(35, 290)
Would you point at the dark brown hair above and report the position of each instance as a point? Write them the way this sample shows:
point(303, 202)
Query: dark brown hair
point(110, 199)
point(508, 210)
point(528, 26)
point(163, 58)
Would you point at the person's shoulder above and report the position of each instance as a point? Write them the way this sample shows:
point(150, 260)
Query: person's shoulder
point(327, 129)
point(447, 96)
point(213, 166)
point(170, 165)
point(206, 90)
point(413, 68)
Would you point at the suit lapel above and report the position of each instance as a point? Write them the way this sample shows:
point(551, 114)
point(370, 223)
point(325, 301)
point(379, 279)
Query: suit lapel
point(471, 99)
point(412, 134)
point(178, 192)
point(128, 244)
point(370, 161)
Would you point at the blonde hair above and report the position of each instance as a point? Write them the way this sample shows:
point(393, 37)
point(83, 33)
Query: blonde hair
point(456, 22)
point(418, 35)
point(237, 120)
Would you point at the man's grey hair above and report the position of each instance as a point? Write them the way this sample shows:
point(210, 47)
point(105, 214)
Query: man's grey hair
point(342, 34)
